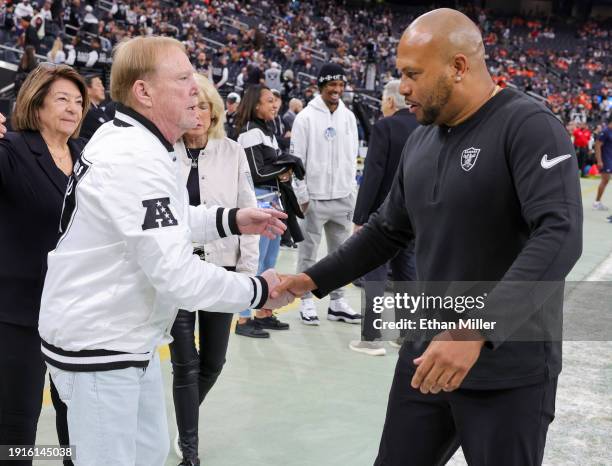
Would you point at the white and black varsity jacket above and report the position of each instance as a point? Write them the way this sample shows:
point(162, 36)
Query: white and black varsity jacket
point(124, 263)
point(262, 151)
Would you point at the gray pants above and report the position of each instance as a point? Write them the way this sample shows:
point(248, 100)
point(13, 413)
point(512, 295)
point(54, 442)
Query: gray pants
point(335, 218)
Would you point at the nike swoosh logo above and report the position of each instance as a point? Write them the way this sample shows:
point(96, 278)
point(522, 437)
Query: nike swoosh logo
point(548, 163)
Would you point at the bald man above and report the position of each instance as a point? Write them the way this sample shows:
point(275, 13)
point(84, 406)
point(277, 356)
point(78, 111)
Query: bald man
point(488, 189)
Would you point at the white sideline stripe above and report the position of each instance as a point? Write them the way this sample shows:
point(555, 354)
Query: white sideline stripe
point(95, 359)
point(603, 272)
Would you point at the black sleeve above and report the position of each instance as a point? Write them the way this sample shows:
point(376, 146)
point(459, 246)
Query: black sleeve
point(373, 173)
point(544, 169)
point(3, 166)
point(386, 232)
point(7, 168)
point(260, 170)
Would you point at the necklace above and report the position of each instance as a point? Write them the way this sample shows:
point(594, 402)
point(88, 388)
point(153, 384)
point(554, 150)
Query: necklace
point(193, 154)
point(59, 159)
point(64, 162)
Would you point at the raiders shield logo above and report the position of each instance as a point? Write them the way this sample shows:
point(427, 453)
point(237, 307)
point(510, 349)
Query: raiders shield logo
point(468, 158)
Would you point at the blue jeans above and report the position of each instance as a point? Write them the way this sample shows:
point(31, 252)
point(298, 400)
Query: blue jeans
point(116, 417)
point(268, 248)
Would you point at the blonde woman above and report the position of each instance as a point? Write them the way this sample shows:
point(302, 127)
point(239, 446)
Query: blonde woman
point(216, 172)
point(56, 54)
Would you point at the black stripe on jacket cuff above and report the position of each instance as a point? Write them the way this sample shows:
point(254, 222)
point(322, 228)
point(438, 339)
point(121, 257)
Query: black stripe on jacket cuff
point(261, 292)
point(233, 223)
point(219, 221)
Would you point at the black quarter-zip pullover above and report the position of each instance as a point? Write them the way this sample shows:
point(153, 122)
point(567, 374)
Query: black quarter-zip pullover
point(496, 198)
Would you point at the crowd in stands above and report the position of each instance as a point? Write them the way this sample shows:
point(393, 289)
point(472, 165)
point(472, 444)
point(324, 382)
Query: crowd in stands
point(282, 44)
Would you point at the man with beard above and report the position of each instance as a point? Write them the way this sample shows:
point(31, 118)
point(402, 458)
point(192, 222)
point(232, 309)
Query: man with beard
point(488, 189)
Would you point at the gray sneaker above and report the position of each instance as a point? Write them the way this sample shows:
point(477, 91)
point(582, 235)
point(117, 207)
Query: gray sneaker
point(373, 348)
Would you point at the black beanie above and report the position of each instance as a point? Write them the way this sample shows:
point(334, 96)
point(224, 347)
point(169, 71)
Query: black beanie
point(330, 72)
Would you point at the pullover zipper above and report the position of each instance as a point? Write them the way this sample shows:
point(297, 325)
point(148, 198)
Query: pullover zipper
point(441, 162)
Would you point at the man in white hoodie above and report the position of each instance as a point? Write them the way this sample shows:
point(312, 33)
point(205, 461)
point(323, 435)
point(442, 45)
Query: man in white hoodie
point(324, 136)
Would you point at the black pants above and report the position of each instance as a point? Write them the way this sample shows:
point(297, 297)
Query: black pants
point(195, 374)
point(582, 153)
point(22, 381)
point(493, 427)
point(403, 269)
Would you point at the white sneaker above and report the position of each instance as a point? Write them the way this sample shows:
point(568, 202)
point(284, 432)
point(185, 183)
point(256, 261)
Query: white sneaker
point(177, 446)
point(340, 310)
point(372, 348)
point(308, 312)
point(597, 205)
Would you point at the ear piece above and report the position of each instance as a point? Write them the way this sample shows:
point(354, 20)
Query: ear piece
point(458, 78)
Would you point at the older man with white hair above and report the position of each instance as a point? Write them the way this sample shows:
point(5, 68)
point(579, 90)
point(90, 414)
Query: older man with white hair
point(125, 264)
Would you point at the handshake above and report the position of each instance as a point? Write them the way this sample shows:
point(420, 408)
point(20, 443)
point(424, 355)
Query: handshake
point(283, 289)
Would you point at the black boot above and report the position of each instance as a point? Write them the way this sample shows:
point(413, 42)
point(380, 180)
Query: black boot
point(187, 462)
point(186, 403)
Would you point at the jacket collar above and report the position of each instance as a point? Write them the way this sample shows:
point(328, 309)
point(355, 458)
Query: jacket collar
point(148, 124)
point(265, 126)
point(181, 150)
point(38, 147)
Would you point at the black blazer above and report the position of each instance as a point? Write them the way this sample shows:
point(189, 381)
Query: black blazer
point(384, 152)
point(31, 198)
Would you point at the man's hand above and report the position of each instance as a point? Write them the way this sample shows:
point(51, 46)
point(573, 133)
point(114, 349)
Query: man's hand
point(279, 300)
point(304, 207)
point(265, 222)
point(447, 360)
point(296, 285)
point(356, 228)
point(2, 127)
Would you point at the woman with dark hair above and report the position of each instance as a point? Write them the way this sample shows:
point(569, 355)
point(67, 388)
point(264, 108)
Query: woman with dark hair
point(256, 135)
point(27, 63)
point(36, 162)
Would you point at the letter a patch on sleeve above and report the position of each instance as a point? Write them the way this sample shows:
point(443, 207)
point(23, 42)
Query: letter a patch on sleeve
point(158, 213)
